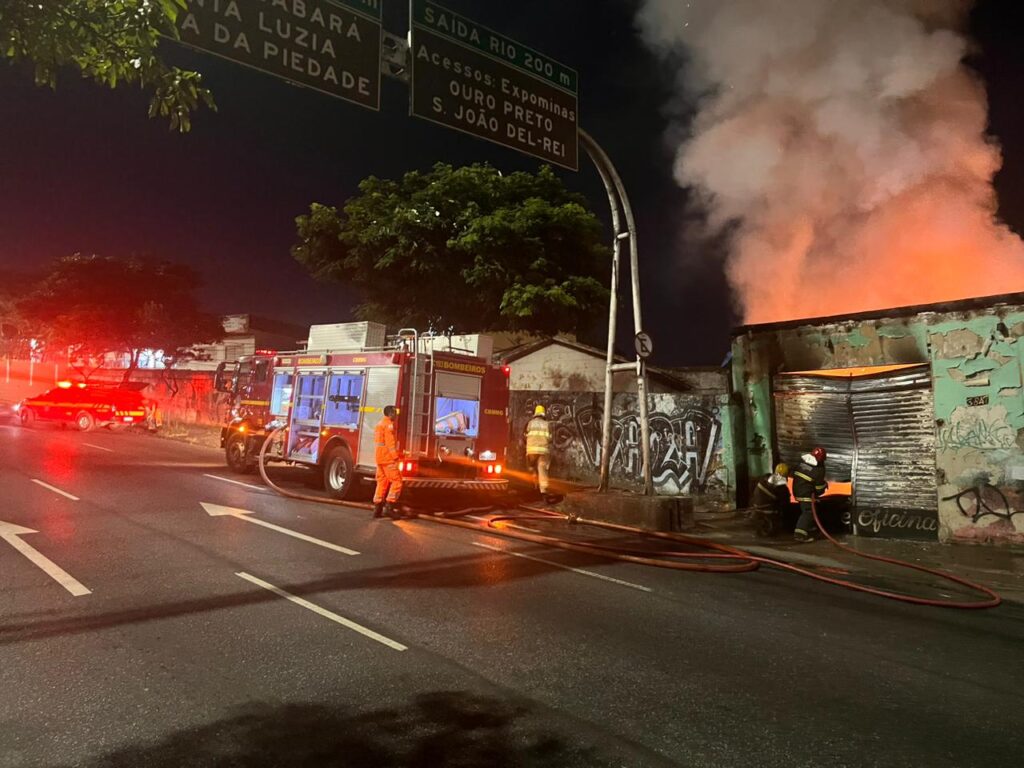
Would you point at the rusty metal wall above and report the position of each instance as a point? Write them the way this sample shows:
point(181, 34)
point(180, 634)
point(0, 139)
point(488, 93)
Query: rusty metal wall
point(879, 431)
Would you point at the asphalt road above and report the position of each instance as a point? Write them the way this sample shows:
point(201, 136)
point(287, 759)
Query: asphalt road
point(137, 629)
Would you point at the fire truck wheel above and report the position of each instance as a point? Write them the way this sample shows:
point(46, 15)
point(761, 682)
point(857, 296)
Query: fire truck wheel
point(338, 480)
point(28, 417)
point(236, 454)
point(84, 421)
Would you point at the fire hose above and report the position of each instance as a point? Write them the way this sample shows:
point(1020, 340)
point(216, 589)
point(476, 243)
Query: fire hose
point(715, 557)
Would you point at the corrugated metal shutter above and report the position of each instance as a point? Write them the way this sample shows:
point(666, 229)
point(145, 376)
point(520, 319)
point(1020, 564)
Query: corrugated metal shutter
point(812, 411)
point(458, 386)
point(879, 432)
point(895, 429)
point(381, 391)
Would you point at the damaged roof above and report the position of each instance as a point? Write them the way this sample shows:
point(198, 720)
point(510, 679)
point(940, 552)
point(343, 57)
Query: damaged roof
point(960, 305)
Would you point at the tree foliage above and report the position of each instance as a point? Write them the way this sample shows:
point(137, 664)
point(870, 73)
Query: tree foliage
point(468, 247)
point(94, 306)
point(112, 42)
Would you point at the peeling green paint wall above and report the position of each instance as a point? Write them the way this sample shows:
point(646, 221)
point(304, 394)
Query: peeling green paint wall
point(977, 359)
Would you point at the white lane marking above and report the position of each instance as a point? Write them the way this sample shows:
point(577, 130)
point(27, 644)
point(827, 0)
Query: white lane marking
point(12, 533)
point(235, 482)
point(216, 510)
point(99, 447)
point(324, 612)
point(49, 487)
point(580, 571)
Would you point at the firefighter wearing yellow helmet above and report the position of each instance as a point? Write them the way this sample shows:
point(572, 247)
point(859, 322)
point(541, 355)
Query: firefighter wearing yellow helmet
point(770, 499)
point(538, 447)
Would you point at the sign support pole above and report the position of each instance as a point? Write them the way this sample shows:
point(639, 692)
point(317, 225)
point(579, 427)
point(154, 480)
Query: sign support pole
point(617, 197)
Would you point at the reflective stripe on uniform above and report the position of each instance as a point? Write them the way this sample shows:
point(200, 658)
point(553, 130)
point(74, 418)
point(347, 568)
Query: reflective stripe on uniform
point(802, 476)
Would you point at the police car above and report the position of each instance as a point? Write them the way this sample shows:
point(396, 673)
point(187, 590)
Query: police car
point(86, 406)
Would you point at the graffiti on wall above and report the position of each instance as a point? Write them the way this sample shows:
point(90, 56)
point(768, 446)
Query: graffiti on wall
point(977, 428)
point(983, 501)
point(685, 443)
point(986, 512)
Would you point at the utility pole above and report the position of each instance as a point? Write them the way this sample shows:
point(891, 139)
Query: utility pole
point(619, 199)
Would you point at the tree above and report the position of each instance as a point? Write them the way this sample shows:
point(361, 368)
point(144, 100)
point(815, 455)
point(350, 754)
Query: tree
point(93, 306)
point(109, 41)
point(468, 247)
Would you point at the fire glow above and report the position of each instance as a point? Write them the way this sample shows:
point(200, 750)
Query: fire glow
point(841, 146)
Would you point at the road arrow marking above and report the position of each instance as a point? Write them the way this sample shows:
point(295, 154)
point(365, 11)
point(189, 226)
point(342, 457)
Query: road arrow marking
point(49, 487)
point(12, 533)
point(215, 510)
point(236, 482)
point(324, 612)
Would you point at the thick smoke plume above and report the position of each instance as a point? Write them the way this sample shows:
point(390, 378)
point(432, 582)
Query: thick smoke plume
point(841, 147)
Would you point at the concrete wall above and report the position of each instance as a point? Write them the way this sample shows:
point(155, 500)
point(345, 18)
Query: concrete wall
point(976, 359)
point(689, 447)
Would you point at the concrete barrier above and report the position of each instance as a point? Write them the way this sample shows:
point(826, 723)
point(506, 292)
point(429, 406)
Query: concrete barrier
point(651, 513)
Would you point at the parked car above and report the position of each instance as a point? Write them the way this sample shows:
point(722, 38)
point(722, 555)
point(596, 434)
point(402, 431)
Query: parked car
point(86, 406)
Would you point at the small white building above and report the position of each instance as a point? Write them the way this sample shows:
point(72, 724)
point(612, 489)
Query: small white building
point(562, 365)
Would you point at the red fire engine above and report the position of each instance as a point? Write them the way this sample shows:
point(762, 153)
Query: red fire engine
point(452, 409)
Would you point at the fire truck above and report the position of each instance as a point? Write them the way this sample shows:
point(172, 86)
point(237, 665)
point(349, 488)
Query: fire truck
point(452, 424)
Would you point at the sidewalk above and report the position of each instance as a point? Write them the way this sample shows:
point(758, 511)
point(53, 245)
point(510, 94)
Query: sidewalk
point(999, 568)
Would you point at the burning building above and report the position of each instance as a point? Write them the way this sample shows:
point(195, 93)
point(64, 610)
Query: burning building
point(920, 408)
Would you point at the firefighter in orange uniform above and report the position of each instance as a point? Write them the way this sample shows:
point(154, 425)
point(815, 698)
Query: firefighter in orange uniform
point(389, 479)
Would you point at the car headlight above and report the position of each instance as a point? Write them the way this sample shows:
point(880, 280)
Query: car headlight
point(16, 407)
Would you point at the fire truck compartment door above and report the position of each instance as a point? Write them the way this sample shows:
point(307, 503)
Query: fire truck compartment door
point(456, 412)
point(381, 391)
point(307, 415)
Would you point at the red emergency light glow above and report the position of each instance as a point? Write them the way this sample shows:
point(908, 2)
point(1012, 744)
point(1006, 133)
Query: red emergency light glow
point(507, 370)
point(407, 467)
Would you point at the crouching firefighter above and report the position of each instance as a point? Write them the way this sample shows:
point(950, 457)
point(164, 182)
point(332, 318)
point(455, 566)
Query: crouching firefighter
point(809, 485)
point(538, 448)
point(389, 479)
point(770, 499)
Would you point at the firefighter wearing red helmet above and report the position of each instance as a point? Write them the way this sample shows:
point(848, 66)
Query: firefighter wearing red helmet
point(809, 484)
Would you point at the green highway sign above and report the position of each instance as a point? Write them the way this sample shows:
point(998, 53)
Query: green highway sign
point(332, 46)
point(470, 78)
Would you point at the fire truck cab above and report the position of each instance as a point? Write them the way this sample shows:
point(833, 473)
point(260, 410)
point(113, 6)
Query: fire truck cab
point(452, 425)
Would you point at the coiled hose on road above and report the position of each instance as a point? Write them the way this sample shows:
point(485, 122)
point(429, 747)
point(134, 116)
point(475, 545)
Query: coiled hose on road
point(716, 558)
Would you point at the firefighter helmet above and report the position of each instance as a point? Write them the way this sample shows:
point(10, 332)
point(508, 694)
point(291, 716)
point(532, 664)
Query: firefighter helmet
point(540, 411)
point(782, 469)
point(819, 454)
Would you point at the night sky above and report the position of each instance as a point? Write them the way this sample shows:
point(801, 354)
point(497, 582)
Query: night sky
point(84, 169)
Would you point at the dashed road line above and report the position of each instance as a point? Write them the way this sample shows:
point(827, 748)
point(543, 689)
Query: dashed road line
point(348, 623)
point(99, 447)
point(580, 571)
point(49, 487)
point(235, 482)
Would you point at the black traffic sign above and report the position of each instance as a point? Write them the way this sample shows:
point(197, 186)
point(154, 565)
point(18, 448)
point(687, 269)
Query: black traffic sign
point(644, 345)
point(332, 46)
point(468, 77)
